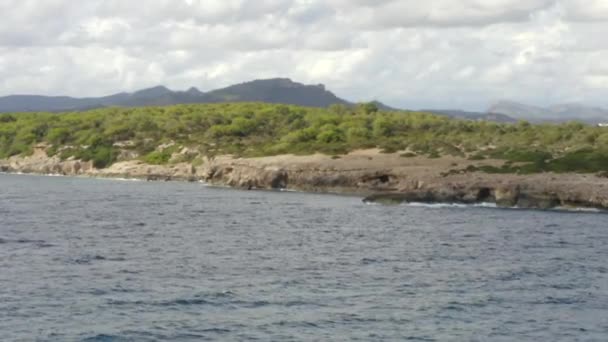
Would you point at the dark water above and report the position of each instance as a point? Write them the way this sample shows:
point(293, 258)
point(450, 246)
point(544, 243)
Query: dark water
point(103, 260)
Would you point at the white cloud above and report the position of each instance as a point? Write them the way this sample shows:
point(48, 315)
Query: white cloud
point(586, 10)
point(444, 13)
point(410, 53)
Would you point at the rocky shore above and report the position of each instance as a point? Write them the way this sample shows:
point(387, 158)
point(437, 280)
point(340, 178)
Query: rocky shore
point(383, 178)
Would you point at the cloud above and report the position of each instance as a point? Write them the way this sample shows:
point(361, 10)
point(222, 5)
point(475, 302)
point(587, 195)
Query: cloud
point(414, 54)
point(443, 13)
point(586, 10)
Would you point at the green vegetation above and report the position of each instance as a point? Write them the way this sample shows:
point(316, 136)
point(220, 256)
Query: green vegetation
point(256, 129)
point(161, 156)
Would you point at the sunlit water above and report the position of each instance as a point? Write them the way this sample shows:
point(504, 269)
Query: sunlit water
point(107, 260)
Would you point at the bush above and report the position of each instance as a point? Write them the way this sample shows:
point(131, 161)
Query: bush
point(521, 155)
point(434, 155)
point(580, 161)
point(408, 155)
point(157, 157)
point(58, 135)
point(101, 155)
point(258, 129)
point(477, 156)
point(7, 118)
point(328, 137)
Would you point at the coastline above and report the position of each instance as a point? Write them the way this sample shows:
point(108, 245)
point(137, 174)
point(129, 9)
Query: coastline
point(379, 178)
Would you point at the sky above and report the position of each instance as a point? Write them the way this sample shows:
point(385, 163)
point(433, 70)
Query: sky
point(413, 54)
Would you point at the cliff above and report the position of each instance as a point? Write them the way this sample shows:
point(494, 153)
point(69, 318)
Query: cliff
point(384, 178)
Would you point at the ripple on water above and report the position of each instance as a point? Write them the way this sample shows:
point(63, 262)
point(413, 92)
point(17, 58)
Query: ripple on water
point(138, 261)
point(35, 243)
point(105, 338)
point(87, 259)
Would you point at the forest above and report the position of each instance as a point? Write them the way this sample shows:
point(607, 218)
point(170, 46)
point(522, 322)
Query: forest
point(154, 134)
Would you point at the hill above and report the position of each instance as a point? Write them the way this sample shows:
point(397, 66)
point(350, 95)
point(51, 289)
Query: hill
point(556, 113)
point(475, 116)
point(262, 129)
point(276, 90)
point(286, 91)
point(417, 156)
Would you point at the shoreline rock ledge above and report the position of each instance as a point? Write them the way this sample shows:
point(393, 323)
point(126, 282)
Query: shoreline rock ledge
point(378, 177)
point(503, 197)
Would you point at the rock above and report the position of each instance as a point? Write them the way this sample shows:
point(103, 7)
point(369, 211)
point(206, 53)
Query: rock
point(444, 194)
point(407, 197)
point(506, 196)
point(471, 195)
point(278, 179)
point(389, 199)
point(377, 180)
point(538, 201)
point(393, 180)
point(152, 178)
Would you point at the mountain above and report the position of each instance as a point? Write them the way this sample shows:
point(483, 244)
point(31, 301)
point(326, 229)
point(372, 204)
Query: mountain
point(284, 90)
point(556, 113)
point(35, 103)
point(475, 116)
point(384, 107)
point(276, 90)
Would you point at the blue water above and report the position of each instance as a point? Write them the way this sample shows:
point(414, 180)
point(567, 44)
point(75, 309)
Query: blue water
point(107, 260)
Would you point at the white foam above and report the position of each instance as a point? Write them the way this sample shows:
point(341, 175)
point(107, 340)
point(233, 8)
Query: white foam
point(451, 205)
point(579, 209)
point(493, 205)
point(123, 179)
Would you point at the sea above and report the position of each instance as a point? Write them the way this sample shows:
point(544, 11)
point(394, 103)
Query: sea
point(86, 259)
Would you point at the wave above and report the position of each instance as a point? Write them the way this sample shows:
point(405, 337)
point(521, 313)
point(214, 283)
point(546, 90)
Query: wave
point(580, 209)
point(451, 205)
point(439, 205)
point(492, 206)
point(122, 179)
point(104, 338)
point(36, 243)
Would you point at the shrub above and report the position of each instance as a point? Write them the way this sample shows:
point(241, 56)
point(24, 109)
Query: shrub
point(157, 157)
point(476, 156)
point(434, 155)
point(258, 129)
point(408, 155)
point(101, 155)
point(586, 160)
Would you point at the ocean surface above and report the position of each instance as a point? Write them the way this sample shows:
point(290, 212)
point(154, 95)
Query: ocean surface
point(109, 260)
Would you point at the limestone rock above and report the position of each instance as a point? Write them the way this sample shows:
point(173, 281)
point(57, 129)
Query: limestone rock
point(387, 178)
point(506, 196)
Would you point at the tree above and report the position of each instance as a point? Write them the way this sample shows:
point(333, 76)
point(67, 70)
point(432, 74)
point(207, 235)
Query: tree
point(368, 107)
point(338, 108)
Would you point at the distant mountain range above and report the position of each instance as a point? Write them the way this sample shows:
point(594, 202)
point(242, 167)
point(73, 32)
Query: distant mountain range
point(277, 90)
point(284, 90)
point(476, 116)
point(509, 111)
point(556, 113)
